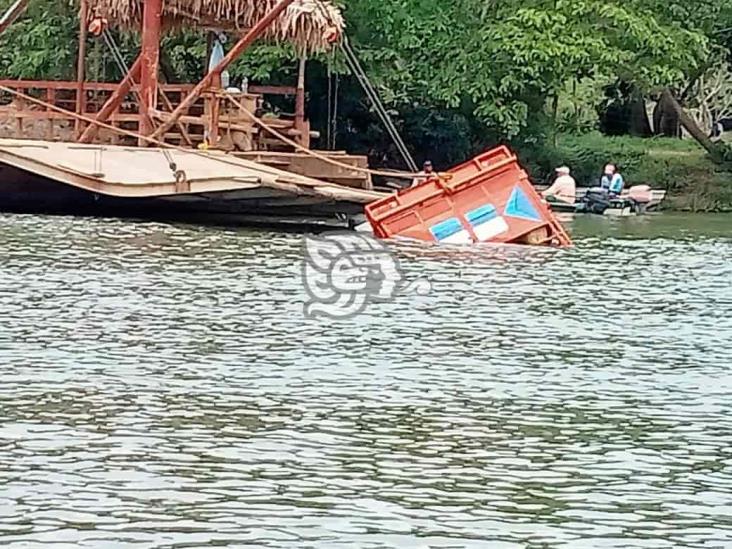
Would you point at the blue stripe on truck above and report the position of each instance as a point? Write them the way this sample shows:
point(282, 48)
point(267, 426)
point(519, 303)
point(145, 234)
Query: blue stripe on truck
point(446, 229)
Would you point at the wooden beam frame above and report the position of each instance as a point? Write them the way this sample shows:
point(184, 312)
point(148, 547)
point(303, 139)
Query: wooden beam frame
point(254, 33)
point(304, 137)
point(114, 101)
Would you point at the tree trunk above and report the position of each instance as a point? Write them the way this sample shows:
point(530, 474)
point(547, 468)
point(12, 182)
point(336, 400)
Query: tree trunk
point(639, 125)
point(665, 119)
point(715, 150)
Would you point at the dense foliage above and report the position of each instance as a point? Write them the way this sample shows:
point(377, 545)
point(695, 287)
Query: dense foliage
point(458, 76)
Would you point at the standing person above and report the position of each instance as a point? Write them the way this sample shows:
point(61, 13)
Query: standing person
point(612, 181)
point(564, 187)
point(427, 172)
point(217, 55)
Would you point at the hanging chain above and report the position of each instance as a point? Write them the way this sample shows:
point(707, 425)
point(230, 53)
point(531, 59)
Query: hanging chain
point(180, 175)
point(355, 66)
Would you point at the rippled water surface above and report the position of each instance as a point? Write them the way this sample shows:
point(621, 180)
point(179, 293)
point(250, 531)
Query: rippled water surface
point(161, 388)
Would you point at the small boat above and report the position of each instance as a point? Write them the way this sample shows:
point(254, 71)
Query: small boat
point(637, 200)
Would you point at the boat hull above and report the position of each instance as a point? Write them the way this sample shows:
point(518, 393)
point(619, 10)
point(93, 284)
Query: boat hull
point(23, 192)
point(67, 178)
point(622, 207)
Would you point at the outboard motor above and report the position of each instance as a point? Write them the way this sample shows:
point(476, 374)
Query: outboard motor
point(596, 200)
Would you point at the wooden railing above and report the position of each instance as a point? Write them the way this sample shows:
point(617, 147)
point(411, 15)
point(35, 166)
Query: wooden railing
point(23, 119)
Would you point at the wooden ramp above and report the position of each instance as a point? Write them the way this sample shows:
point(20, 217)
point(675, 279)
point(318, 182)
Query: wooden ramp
point(137, 172)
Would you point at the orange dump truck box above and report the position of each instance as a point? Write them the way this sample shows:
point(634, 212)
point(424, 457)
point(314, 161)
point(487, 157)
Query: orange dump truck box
point(488, 199)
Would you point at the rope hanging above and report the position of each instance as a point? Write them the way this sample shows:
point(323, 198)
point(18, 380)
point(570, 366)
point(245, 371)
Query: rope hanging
point(180, 175)
point(355, 66)
point(336, 102)
point(329, 123)
point(371, 93)
point(333, 103)
point(261, 123)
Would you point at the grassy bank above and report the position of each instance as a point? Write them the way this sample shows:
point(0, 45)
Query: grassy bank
point(694, 183)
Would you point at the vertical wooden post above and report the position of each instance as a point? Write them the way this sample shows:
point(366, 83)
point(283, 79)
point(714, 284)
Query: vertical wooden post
point(81, 67)
point(213, 130)
point(51, 100)
point(209, 49)
point(20, 102)
point(300, 126)
point(151, 25)
point(233, 54)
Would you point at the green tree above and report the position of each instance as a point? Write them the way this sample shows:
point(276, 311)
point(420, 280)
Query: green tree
point(42, 44)
point(458, 75)
point(504, 61)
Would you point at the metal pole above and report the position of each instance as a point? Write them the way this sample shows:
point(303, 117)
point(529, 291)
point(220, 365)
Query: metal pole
point(81, 66)
point(150, 53)
point(254, 33)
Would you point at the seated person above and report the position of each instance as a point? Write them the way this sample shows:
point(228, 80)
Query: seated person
point(564, 188)
point(612, 181)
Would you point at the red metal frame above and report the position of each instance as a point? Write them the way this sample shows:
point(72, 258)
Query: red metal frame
point(152, 18)
point(113, 102)
point(489, 178)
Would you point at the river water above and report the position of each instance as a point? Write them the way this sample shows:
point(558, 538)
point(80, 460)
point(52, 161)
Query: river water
point(161, 388)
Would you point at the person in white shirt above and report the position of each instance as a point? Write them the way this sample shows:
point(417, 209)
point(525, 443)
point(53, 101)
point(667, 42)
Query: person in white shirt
point(564, 187)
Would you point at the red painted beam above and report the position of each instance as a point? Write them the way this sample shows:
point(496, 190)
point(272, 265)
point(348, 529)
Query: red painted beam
point(150, 53)
point(81, 67)
point(254, 33)
point(273, 90)
point(91, 86)
point(14, 11)
point(114, 101)
point(303, 137)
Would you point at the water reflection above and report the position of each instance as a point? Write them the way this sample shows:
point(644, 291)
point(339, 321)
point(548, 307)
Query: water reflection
point(161, 388)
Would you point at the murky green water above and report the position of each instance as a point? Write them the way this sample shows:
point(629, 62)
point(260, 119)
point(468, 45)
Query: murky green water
point(162, 389)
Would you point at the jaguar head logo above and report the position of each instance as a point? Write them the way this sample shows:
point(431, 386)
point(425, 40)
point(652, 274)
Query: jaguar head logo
point(344, 272)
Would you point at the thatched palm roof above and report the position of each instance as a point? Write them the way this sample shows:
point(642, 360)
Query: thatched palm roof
point(305, 23)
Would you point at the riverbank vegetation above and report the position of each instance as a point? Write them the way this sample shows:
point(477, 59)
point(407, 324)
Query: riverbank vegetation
point(579, 82)
point(693, 181)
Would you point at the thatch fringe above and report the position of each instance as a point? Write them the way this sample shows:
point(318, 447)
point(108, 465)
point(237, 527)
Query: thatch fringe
point(305, 23)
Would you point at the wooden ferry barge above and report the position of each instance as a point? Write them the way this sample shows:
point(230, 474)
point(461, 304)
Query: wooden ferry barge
point(145, 148)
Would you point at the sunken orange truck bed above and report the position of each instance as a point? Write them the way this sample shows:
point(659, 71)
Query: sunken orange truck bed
point(488, 199)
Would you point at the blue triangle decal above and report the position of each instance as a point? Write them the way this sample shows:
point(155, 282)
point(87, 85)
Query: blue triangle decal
point(520, 206)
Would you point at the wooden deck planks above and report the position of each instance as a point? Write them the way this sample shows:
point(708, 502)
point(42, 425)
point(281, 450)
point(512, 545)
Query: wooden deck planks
point(128, 171)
